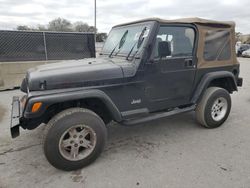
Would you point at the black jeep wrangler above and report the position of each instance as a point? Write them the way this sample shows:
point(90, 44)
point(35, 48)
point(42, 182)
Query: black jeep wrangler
point(148, 69)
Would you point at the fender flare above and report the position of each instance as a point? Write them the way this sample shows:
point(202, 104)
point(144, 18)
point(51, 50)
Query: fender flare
point(48, 100)
point(206, 80)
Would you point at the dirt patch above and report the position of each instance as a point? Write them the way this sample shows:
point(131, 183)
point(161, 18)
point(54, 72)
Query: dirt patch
point(18, 149)
point(143, 148)
point(2, 112)
point(78, 177)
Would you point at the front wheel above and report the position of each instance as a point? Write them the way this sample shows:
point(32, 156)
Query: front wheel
point(214, 107)
point(74, 138)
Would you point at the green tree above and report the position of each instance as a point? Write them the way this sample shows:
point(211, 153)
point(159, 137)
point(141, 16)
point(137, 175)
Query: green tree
point(92, 29)
point(81, 27)
point(60, 24)
point(23, 28)
point(42, 28)
point(101, 37)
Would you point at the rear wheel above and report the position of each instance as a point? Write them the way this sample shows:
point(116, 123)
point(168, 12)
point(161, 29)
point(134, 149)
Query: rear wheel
point(74, 138)
point(214, 107)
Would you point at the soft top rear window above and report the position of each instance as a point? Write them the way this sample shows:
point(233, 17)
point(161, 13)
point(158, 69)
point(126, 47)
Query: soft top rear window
point(217, 45)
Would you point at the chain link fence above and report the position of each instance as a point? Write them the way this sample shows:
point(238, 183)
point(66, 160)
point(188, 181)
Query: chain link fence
point(40, 46)
point(22, 50)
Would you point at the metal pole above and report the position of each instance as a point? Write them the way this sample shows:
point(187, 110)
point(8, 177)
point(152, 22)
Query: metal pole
point(95, 19)
point(45, 46)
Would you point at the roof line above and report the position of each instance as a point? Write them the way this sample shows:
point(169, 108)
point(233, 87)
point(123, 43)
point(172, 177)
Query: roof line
point(194, 20)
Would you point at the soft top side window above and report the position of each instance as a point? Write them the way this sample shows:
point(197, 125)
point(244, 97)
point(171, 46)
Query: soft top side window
point(217, 45)
point(181, 39)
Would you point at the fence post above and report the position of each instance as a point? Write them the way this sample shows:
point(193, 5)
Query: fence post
point(45, 46)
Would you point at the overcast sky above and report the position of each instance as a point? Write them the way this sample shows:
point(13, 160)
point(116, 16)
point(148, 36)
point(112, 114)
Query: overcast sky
point(112, 12)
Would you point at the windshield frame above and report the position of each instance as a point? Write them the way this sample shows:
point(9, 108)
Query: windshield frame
point(120, 54)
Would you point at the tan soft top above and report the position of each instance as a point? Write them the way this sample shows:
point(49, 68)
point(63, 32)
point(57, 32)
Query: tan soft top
point(203, 27)
point(194, 20)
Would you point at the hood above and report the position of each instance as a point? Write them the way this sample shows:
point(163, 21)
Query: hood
point(78, 73)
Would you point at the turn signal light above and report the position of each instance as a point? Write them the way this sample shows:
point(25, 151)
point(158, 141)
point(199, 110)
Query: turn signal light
point(36, 106)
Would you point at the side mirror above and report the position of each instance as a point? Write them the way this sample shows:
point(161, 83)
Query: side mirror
point(164, 49)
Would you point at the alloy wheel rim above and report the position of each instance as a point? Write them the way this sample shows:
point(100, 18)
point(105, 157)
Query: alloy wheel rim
point(219, 109)
point(77, 142)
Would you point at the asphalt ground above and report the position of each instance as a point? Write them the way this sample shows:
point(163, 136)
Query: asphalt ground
point(171, 152)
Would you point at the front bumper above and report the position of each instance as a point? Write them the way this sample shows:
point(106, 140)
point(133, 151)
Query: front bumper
point(16, 114)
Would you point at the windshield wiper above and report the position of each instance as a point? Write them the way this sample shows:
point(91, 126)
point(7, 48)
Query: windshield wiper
point(110, 55)
point(140, 39)
point(131, 50)
point(120, 43)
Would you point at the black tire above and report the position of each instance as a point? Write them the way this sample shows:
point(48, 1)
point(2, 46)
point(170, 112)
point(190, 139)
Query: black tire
point(208, 112)
point(63, 122)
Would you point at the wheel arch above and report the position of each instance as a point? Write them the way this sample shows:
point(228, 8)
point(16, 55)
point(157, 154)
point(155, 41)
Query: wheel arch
point(223, 79)
point(77, 99)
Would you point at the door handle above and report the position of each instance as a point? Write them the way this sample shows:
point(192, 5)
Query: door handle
point(189, 63)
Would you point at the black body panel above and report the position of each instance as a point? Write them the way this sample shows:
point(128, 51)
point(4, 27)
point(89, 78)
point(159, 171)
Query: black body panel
point(140, 87)
point(169, 83)
point(78, 73)
point(65, 96)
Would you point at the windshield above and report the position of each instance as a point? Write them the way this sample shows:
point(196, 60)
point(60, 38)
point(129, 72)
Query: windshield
point(128, 35)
